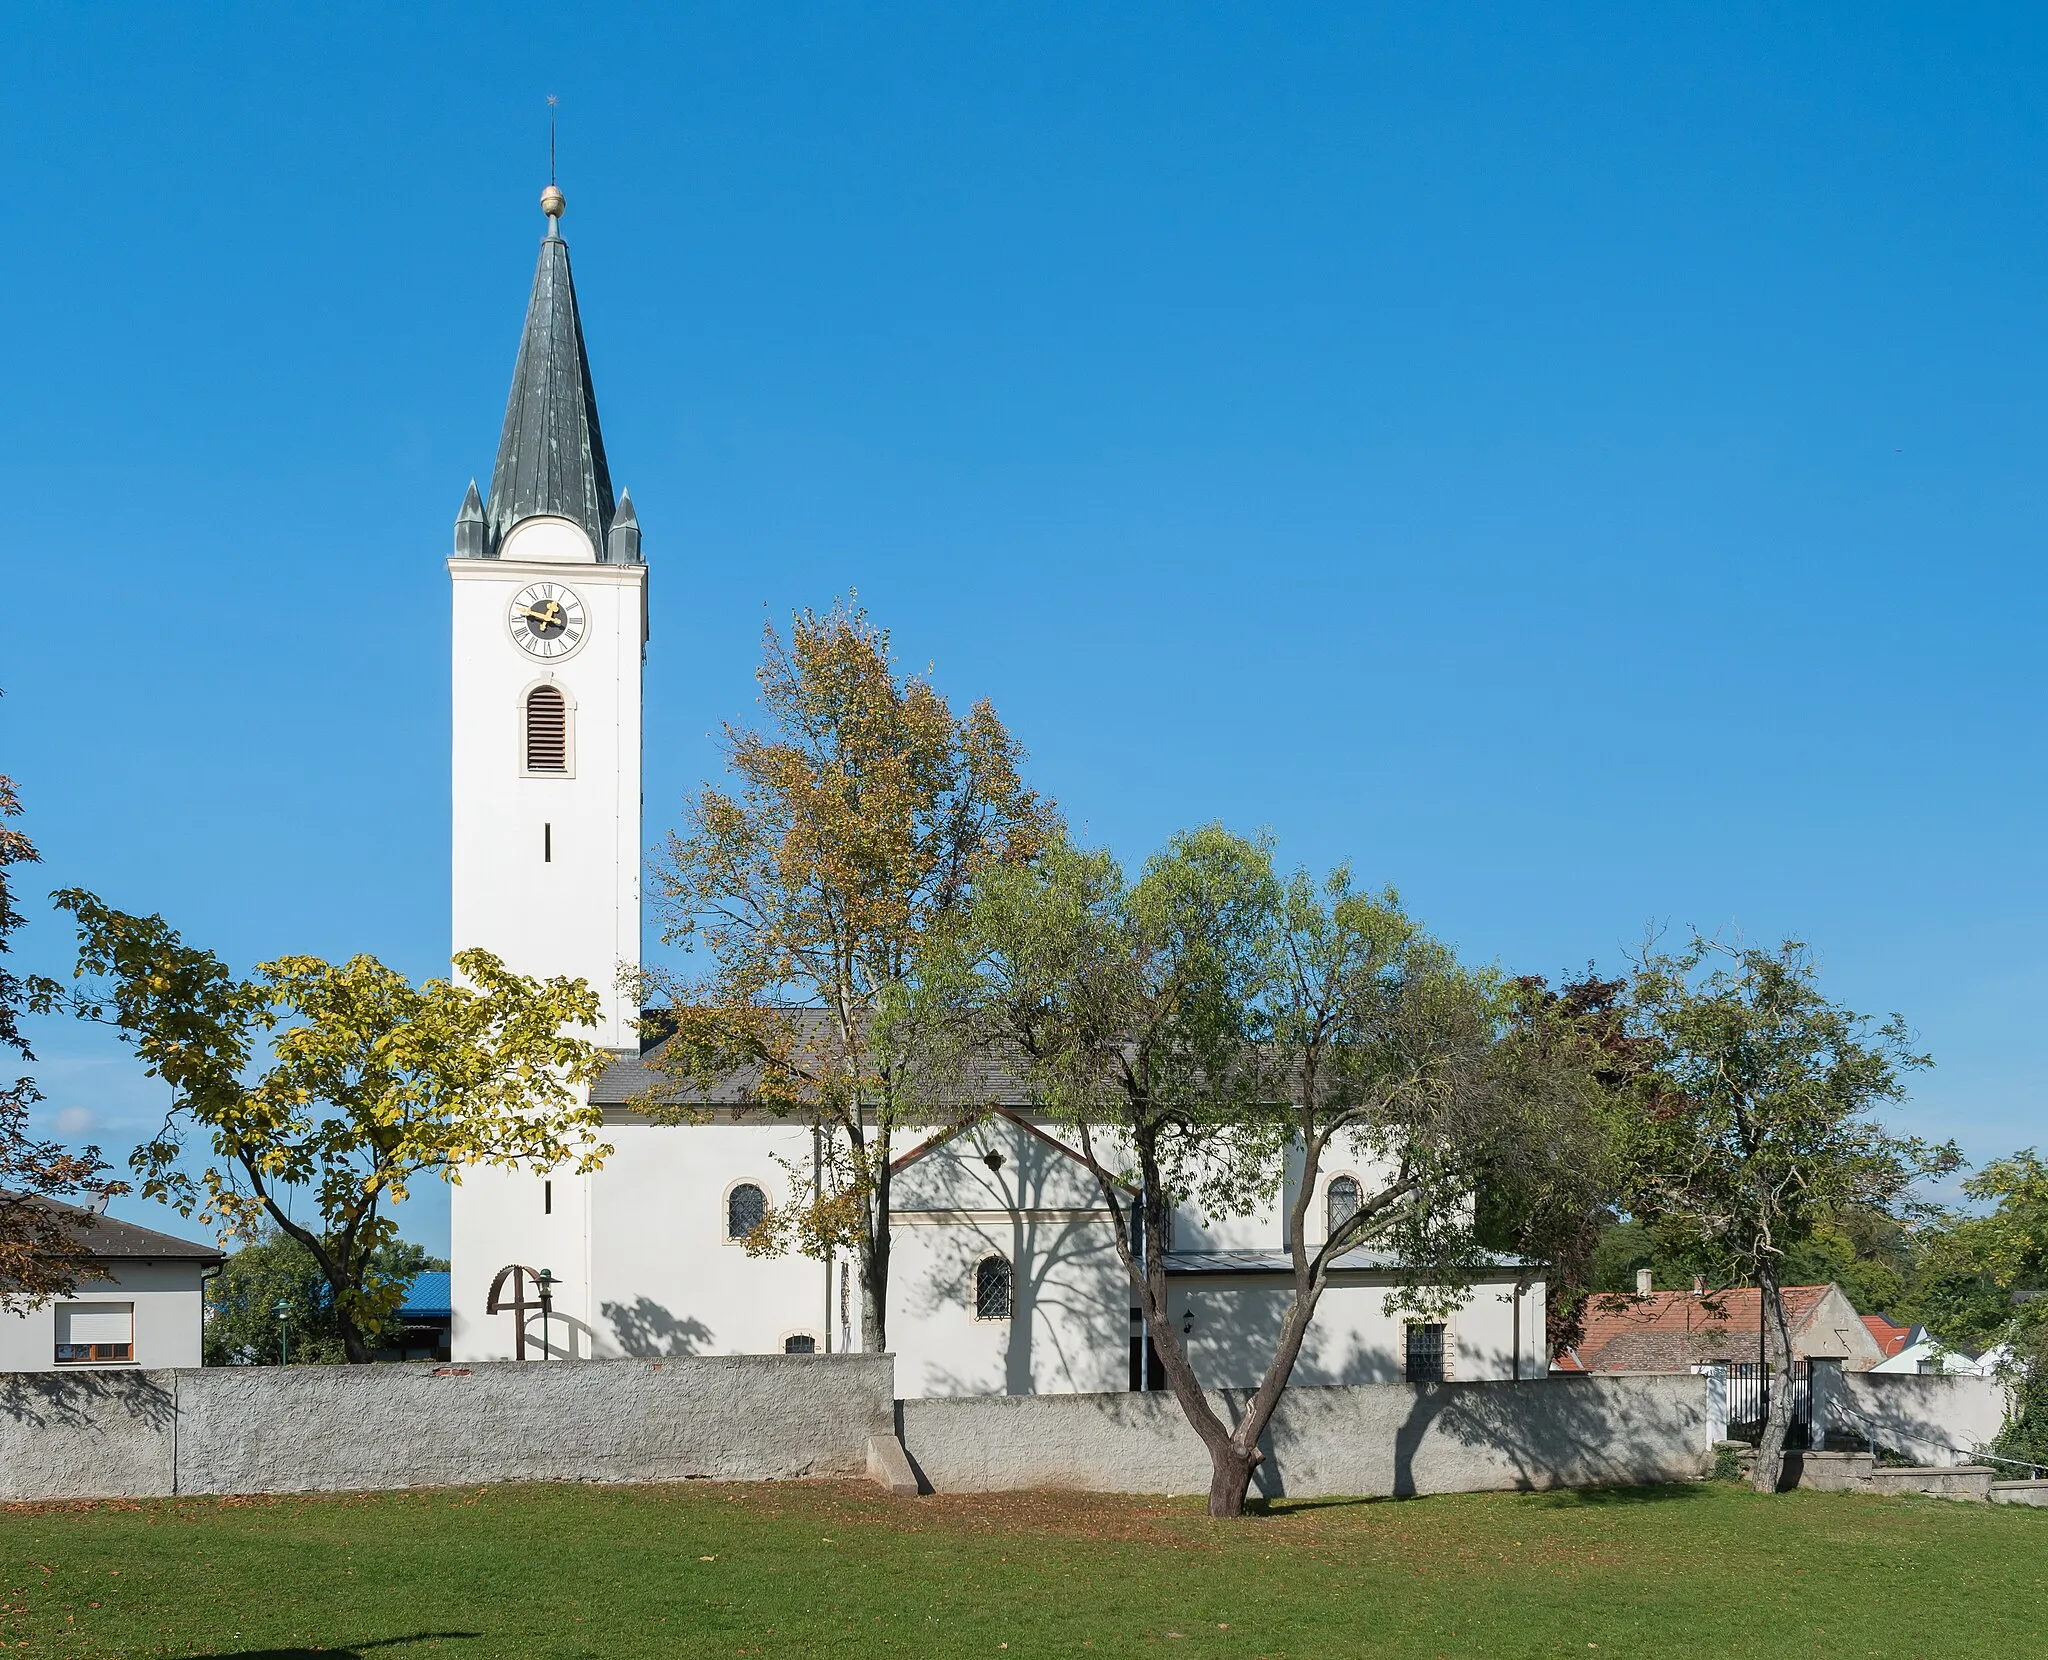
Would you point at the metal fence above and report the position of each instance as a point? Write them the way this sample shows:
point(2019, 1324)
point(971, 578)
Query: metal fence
point(1749, 1400)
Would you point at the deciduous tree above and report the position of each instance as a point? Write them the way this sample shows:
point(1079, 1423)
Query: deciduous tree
point(40, 1252)
point(364, 1083)
point(242, 1327)
point(856, 822)
point(1202, 1026)
point(1756, 1123)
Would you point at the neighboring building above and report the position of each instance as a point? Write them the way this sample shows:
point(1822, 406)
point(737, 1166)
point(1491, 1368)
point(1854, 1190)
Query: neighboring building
point(1891, 1337)
point(1921, 1352)
point(1669, 1331)
point(424, 1318)
point(138, 1303)
point(1004, 1276)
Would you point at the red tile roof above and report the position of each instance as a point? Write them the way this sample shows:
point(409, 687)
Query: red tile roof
point(1670, 1330)
point(1890, 1338)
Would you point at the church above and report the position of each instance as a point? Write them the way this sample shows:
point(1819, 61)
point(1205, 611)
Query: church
point(1004, 1276)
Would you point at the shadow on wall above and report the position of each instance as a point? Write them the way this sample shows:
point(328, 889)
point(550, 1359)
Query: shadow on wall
point(1551, 1432)
point(648, 1331)
point(68, 1400)
point(1049, 1309)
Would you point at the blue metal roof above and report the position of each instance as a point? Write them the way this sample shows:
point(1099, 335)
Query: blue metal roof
point(427, 1299)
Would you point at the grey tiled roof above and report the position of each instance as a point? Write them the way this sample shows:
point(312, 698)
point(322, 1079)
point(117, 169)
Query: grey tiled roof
point(107, 1238)
point(632, 1076)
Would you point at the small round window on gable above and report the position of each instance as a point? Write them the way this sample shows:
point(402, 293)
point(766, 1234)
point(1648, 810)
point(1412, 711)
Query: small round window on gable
point(994, 1288)
point(746, 1208)
point(547, 730)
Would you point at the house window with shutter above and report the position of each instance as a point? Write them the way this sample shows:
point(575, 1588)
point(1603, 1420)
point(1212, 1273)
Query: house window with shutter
point(547, 730)
point(88, 1332)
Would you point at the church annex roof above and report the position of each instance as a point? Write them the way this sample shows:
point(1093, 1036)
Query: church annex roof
point(551, 453)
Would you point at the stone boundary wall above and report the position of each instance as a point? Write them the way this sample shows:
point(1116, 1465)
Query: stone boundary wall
point(1933, 1418)
point(1371, 1440)
point(149, 1434)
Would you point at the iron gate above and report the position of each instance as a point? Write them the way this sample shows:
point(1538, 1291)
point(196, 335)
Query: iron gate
point(1750, 1383)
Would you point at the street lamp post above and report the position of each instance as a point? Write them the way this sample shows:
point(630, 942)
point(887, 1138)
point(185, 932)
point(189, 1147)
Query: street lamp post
point(284, 1342)
point(547, 1288)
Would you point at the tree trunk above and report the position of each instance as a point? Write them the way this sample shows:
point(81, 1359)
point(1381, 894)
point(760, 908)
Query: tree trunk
point(1230, 1479)
point(1770, 1449)
point(874, 1265)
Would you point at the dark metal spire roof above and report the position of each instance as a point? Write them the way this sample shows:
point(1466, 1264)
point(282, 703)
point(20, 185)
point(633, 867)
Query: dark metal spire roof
point(551, 454)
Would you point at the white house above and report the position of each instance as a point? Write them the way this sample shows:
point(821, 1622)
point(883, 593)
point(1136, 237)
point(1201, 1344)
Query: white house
point(138, 1303)
point(1004, 1275)
point(1923, 1353)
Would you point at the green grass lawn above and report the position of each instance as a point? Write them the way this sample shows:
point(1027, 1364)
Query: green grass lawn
point(702, 1569)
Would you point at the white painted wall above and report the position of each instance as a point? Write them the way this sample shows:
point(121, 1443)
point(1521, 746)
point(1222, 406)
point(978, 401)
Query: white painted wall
point(640, 1248)
point(168, 1304)
point(577, 913)
point(1069, 1327)
point(1230, 1321)
point(545, 873)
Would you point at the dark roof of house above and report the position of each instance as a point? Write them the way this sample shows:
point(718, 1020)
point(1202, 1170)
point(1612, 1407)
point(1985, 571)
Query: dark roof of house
point(107, 1238)
point(551, 453)
point(633, 1078)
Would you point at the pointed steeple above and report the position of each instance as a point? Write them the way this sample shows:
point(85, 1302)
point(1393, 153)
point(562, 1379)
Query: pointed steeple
point(471, 542)
point(551, 454)
point(624, 546)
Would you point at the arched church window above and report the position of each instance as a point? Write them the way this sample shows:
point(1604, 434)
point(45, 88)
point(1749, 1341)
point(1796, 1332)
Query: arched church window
point(800, 1343)
point(994, 1288)
point(746, 1208)
point(547, 730)
point(1341, 1201)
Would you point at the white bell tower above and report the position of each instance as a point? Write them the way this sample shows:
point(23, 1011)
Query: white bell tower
point(550, 629)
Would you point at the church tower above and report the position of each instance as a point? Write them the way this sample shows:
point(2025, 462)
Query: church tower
point(550, 629)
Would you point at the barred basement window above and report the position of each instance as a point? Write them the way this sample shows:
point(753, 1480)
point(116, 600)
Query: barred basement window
point(547, 730)
point(1425, 1354)
point(803, 1343)
point(1341, 1201)
point(746, 1208)
point(994, 1287)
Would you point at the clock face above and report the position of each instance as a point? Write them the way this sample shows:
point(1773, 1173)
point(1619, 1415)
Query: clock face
point(547, 620)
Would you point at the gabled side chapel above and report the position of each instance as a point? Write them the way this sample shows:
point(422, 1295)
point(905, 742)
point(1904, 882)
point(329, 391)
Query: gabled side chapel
point(1004, 1277)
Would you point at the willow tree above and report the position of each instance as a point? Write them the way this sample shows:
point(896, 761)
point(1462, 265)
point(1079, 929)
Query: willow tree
point(1204, 1027)
point(1755, 1122)
point(362, 1084)
point(856, 823)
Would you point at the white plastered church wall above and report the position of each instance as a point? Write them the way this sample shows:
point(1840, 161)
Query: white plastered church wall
point(545, 875)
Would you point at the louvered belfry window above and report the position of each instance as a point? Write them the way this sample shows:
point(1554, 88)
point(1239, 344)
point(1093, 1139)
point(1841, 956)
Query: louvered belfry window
point(547, 730)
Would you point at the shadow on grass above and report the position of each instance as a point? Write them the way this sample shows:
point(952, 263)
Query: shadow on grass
point(1579, 1497)
point(1552, 1499)
point(353, 1652)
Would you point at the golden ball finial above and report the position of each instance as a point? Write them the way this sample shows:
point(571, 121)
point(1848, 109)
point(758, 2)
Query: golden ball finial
point(552, 201)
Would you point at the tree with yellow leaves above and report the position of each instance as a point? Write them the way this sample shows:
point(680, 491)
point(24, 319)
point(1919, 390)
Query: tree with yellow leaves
point(367, 1082)
point(855, 827)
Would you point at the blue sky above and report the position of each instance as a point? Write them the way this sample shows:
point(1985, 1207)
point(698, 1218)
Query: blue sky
point(1583, 464)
